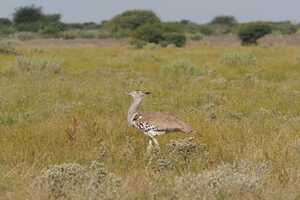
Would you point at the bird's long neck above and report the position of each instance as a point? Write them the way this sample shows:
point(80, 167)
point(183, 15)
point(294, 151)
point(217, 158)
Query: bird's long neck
point(133, 110)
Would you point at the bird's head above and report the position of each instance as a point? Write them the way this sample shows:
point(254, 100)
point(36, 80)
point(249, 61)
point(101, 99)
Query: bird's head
point(138, 94)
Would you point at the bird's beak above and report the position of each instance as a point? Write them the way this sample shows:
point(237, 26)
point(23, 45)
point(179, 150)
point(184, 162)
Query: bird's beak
point(127, 93)
point(147, 93)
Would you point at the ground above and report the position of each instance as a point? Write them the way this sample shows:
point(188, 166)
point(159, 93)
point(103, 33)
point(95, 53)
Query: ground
point(64, 103)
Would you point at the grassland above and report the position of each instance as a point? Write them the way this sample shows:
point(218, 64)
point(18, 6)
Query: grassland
point(64, 105)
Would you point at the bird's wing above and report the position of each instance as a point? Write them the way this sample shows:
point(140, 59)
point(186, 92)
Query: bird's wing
point(164, 122)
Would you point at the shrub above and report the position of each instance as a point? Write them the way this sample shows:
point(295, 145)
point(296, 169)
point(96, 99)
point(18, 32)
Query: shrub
point(52, 29)
point(183, 67)
point(197, 37)
point(178, 39)
point(28, 27)
point(5, 22)
point(206, 30)
point(129, 21)
point(28, 14)
point(72, 181)
point(70, 34)
point(7, 48)
point(152, 33)
point(249, 33)
point(238, 59)
point(26, 65)
point(25, 35)
point(224, 20)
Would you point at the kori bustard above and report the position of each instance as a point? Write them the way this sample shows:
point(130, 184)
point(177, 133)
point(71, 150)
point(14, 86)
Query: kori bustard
point(153, 124)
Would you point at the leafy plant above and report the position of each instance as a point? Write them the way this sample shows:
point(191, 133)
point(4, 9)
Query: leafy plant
point(249, 33)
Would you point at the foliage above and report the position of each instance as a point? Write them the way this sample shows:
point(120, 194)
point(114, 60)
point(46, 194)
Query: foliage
point(52, 29)
point(7, 48)
point(178, 39)
point(238, 59)
point(28, 14)
point(159, 34)
point(249, 33)
point(225, 20)
point(131, 20)
point(285, 27)
point(25, 35)
point(152, 33)
point(5, 22)
point(182, 67)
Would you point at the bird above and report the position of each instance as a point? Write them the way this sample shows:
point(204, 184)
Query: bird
point(153, 124)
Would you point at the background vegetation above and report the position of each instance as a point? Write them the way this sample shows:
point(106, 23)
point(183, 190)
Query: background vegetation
point(142, 26)
point(63, 128)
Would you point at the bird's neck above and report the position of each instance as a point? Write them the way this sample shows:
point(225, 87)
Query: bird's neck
point(133, 110)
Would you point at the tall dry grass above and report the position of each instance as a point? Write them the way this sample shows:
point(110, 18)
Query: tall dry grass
point(63, 122)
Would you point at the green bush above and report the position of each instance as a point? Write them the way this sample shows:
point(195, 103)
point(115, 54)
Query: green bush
point(178, 39)
point(249, 33)
point(5, 22)
point(28, 14)
point(28, 27)
point(238, 59)
point(224, 20)
point(52, 29)
point(152, 33)
point(196, 37)
point(131, 20)
point(157, 33)
point(25, 35)
point(182, 67)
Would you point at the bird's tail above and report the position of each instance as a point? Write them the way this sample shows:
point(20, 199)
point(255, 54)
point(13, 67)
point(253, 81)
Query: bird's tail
point(187, 128)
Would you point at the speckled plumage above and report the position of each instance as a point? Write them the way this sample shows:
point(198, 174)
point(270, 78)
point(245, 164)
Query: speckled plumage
point(153, 124)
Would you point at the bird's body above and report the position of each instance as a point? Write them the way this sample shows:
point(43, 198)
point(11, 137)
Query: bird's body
point(153, 124)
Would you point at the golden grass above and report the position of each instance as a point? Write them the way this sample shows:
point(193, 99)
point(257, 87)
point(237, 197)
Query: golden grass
point(239, 112)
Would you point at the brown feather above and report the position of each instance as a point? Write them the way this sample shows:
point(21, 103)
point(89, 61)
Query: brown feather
point(164, 122)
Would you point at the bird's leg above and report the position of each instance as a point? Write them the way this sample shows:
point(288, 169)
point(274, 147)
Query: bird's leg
point(156, 143)
point(150, 147)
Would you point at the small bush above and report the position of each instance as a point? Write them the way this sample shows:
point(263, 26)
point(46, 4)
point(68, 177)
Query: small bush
point(26, 65)
point(238, 59)
point(178, 39)
point(72, 181)
point(7, 48)
point(251, 32)
point(130, 20)
point(52, 30)
point(182, 67)
point(224, 20)
point(70, 34)
point(152, 33)
point(197, 37)
point(25, 36)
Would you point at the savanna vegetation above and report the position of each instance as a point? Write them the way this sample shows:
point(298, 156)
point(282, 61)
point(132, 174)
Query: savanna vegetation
point(64, 133)
point(140, 26)
point(63, 103)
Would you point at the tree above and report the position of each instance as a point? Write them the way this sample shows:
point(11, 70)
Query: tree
point(130, 20)
point(5, 22)
point(249, 33)
point(149, 33)
point(27, 15)
point(224, 20)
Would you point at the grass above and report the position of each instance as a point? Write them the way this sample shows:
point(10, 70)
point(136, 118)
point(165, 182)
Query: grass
point(245, 117)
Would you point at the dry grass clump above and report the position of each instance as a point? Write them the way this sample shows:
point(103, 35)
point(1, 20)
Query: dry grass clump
point(238, 59)
point(78, 116)
point(30, 65)
point(75, 181)
point(227, 180)
point(182, 67)
point(7, 48)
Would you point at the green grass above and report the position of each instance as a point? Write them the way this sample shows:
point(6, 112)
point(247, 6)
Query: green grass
point(240, 113)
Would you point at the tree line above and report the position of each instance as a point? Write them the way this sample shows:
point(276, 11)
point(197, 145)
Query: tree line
point(142, 26)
